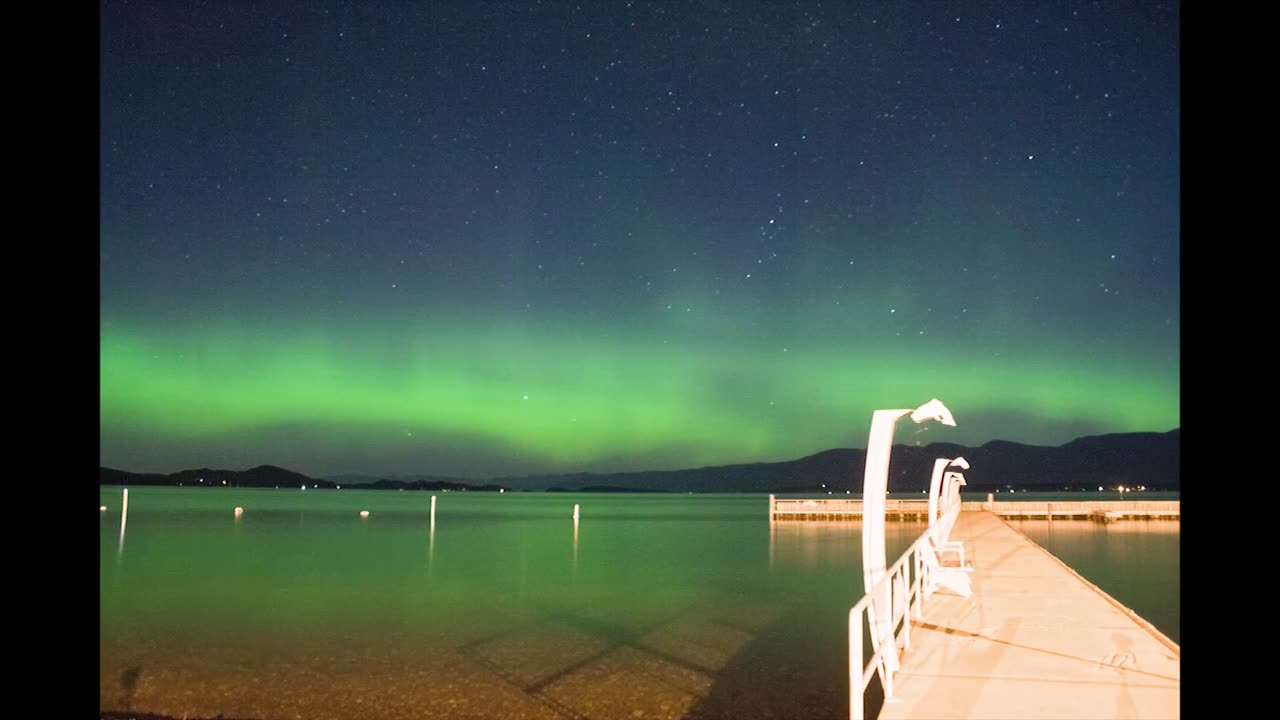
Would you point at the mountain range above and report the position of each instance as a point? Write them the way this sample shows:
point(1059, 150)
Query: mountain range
point(1145, 459)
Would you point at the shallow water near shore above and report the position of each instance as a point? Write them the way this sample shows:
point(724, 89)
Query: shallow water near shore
point(666, 605)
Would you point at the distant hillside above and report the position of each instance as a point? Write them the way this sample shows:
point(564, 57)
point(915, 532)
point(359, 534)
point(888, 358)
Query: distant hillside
point(1150, 459)
point(1130, 459)
point(357, 479)
point(270, 476)
point(261, 476)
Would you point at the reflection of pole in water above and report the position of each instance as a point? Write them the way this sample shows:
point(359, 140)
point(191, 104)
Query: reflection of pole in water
point(431, 538)
point(575, 538)
point(124, 517)
point(771, 531)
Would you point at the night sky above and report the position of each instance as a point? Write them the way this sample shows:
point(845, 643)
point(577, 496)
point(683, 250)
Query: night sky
point(483, 238)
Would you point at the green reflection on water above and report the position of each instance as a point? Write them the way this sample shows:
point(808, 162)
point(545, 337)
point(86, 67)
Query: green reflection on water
point(301, 589)
point(304, 560)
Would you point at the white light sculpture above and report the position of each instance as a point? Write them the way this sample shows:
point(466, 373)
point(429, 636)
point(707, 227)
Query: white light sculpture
point(938, 495)
point(875, 483)
point(944, 498)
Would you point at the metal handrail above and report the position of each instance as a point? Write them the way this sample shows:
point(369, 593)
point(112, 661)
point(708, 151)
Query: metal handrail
point(903, 598)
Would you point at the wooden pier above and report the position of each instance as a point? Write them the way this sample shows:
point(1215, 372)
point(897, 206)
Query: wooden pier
point(1036, 640)
point(1099, 510)
point(842, 509)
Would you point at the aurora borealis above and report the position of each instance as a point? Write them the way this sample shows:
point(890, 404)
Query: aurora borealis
point(476, 239)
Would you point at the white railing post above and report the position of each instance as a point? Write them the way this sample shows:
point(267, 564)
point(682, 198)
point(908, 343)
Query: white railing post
point(906, 608)
point(894, 590)
point(886, 673)
point(920, 586)
point(855, 664)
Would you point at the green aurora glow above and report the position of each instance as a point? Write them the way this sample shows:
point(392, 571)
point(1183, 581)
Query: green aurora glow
point(551, 403)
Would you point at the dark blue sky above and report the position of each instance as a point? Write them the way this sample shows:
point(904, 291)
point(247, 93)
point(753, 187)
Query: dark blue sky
point(372, 236)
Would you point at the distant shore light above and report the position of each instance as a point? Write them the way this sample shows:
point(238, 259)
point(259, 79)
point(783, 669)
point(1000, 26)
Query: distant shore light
point(364, 513)
point(102, 508)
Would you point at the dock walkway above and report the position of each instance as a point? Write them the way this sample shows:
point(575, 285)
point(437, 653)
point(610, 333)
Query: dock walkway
point(1036, 640)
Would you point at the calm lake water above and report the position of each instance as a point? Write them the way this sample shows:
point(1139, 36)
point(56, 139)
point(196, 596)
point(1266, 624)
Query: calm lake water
point(665, 605)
